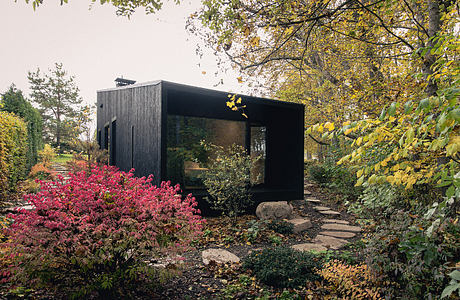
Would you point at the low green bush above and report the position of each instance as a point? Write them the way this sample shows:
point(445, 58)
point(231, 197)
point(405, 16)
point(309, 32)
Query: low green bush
point(337, 178)
point(281, 226)
point(403, 252)
point(375, 200)
point(283, 267)
point(320, 174)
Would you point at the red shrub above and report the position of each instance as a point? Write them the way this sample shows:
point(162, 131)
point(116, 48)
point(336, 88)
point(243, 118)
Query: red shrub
point(95, 232)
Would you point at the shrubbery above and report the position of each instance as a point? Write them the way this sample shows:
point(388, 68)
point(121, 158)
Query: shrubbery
point(13, 148)
point(283, 267)
point(14, 102)
point(95, 234)
point(351, 282)
point(405, 254)
point(228, 179)
point(47, 155)
point(281, 226)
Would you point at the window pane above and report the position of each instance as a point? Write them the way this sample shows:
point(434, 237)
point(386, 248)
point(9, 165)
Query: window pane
point(186, 157)
point(258, 149)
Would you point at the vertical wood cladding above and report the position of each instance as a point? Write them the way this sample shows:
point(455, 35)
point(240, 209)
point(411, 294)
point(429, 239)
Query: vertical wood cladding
point(141, 111)
point(136, 108)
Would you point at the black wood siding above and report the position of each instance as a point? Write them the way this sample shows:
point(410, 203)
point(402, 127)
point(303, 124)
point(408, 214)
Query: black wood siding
point(136, 110)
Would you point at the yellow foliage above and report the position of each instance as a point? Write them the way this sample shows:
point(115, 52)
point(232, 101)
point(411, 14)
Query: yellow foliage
point(351, 282)
point(47, 155)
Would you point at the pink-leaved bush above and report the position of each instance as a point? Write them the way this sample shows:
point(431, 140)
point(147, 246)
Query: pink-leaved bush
point(95, 233)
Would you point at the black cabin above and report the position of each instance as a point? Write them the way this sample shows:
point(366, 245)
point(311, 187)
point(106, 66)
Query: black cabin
point(156, 128)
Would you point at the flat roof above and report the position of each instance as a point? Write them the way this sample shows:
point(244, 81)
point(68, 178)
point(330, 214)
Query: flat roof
point(199, 90)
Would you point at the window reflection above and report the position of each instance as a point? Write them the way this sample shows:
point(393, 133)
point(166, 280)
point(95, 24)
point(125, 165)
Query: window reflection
point(186, 157)
point(258, 150)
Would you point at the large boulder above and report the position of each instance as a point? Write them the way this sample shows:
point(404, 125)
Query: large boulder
point(274, 210)
point(219, 256)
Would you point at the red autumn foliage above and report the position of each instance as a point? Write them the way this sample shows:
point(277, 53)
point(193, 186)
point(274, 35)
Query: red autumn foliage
point(95, 232)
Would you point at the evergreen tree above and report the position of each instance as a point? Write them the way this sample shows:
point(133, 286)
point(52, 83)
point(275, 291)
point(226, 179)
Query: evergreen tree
point(59, 104)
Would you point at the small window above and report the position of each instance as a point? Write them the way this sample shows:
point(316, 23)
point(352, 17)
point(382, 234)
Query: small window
point(99, 139)
point(113, 144)
point(132, 147)
point(106, 137)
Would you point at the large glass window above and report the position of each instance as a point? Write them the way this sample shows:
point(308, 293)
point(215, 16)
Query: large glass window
point(186, 157)
point(258, 150)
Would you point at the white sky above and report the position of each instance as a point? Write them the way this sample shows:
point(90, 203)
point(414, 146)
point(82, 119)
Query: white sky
point(96, 46)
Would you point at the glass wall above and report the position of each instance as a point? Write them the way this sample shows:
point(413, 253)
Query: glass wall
point(258, 150)
point(186, 157)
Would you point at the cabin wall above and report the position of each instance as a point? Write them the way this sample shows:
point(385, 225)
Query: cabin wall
point(137, 111)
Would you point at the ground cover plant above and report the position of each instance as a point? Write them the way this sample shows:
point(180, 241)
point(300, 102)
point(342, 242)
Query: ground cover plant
point(283, 267)
point(94, 235)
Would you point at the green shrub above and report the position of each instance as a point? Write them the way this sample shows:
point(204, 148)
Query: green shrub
point(337, 178)
point(281, 226)
point(14, 102)
point(319, 174)
point(375, 199)
point(228, 179)
point(13, 149)
point(283, 267)
point(403, 252)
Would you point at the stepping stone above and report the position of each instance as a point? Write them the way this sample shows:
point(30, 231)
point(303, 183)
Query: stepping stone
point(321, 208)
point(329, 212)
point(307, 185)
point(330, 242)
point(312, 200)
point(336, 221)
point(309, 247)
point(307, 193)
point(338, 234)
point(274, 210)
point(341, 227)
point(219, 256)
point(300, 225)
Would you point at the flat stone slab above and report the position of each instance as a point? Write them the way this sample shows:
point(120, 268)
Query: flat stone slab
point(339, 234)
point(300, 225)
point(307, 192)
point(330, 242)
point(336, 221)
point(309, 247)
point(321, 208)
point(312, 200)
point(274, 210)
point(341, 227)
point(329, 212)
point(307, 185)
point(219, 256)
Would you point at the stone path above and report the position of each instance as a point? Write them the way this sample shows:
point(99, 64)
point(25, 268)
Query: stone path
point(61, 170)
point(334, 232)
point(58, 168)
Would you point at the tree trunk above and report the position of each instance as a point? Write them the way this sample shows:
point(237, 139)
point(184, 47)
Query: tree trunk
point(434, 26)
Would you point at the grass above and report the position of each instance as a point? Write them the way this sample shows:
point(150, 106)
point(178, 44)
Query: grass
point(62, 158)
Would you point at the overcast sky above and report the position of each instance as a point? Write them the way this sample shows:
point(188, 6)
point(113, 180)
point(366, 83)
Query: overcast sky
point(96, 46)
